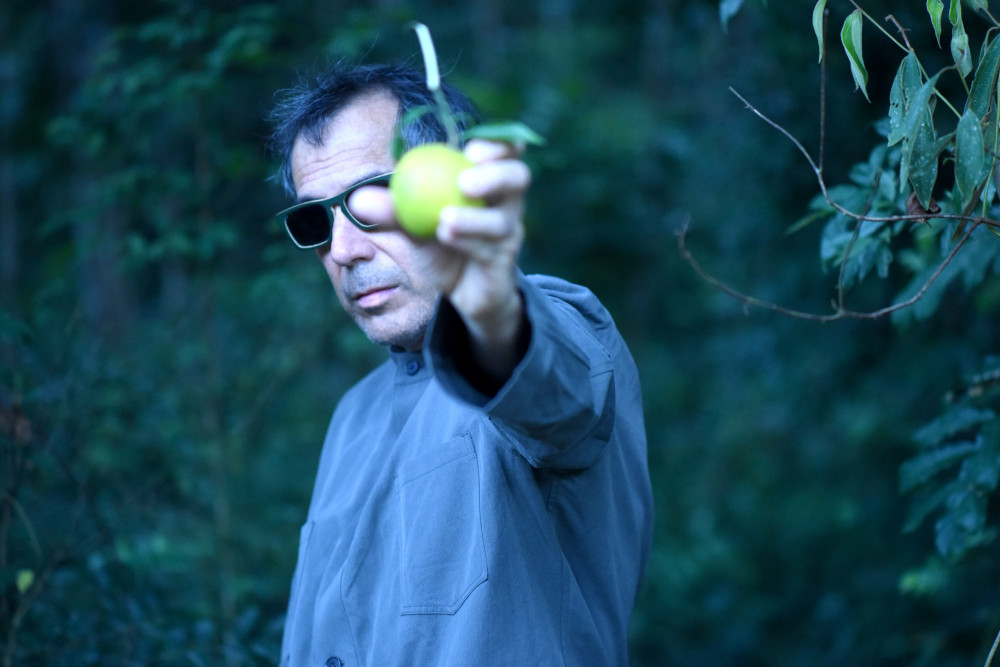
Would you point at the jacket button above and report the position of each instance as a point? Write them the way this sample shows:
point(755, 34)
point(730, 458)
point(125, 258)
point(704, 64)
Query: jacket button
point(412, 366)
point(333, 661)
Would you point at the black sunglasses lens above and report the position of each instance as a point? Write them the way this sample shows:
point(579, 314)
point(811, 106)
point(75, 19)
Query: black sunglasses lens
point(309, 225)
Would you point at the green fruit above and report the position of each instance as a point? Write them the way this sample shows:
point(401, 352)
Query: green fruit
point(425, 181)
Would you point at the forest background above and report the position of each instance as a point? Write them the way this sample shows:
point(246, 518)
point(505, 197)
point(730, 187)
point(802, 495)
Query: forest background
point(169, 362)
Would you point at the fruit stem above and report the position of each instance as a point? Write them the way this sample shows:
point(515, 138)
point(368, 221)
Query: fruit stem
point(434, 83)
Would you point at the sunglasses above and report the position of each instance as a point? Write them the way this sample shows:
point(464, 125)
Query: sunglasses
point(310, 224)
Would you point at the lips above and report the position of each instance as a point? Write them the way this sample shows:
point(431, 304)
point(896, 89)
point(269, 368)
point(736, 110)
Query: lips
point(373, 297)
point(368, 285)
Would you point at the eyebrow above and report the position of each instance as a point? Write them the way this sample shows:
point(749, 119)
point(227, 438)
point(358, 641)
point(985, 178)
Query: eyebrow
point(371, 174)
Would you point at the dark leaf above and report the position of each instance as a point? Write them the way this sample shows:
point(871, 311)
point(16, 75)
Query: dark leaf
point(512, 132)
point(920, 469)
point(984, 84)
point(953, 422)
point(970, 153)
point(905, 89)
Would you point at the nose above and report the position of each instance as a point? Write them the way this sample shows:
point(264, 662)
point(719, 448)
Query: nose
point(348, 244)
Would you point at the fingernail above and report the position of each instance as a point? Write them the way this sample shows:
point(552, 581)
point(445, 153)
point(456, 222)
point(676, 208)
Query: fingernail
point(445, 223)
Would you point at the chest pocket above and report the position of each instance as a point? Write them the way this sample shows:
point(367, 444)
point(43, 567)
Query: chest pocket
point(443, 558)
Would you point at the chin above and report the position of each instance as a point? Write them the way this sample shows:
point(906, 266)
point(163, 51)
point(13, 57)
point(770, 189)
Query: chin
point(403, 327)
point(409, 338)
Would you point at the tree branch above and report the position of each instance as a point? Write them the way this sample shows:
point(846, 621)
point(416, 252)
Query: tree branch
point(817, 170)
point(839, 311)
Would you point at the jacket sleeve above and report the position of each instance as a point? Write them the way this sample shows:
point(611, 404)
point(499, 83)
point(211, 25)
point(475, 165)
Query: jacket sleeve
point(558, 407)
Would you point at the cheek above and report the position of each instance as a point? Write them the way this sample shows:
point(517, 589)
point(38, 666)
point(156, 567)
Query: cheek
point(331, 267)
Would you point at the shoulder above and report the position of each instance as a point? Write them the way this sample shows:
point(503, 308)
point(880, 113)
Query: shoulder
point(577, 300)
point(561, 288)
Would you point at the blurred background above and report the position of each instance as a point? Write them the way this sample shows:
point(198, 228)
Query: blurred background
point(169, 361)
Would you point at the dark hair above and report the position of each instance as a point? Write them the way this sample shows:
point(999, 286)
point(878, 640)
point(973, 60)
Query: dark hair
point(306, 109)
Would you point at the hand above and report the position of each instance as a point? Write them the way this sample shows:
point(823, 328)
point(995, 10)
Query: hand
point(473, 259)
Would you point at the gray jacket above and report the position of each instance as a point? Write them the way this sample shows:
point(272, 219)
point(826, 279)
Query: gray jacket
point(448, 527)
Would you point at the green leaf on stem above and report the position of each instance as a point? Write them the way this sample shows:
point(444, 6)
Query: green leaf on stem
point(985, 81)
point(970, 154)
point(960, 53)
point(922, 162)
point(918, 163)
point(850, 36)
point(905, 87)
point(818, 12)
point(922, 468)
point(935, 8)
point(434, 82)
point(919, 110)
point(955, 421)
point(955, 12)
point(511, 132)
point(960, 50)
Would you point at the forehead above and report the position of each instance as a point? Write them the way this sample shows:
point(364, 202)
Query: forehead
point(355, 143)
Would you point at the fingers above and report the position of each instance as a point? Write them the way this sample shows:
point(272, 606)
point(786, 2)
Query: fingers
point(501, 179)
point(498, 172)
point(498, 175)
point(496, 181)
point(485, 234)
point(491, 224)
point(481, 150)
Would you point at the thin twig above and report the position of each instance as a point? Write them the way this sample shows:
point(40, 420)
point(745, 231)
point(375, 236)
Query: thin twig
point(902, 33)
point(920, 217)
point(854, 239)
point(822, 93)
point(926, 286)
point(28, 526)
point(740, 296)
point(989, 658)
point(788, 135)
point(840, 312)
point(879, 26)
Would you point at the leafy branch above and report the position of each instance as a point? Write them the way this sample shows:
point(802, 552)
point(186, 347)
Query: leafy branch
point(894, 190)
point(896, 197)
point(840, 310)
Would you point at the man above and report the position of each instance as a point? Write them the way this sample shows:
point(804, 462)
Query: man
point(483, 496)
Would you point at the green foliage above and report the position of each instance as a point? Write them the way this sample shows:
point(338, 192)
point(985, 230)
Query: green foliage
point(511, 131)
point(818, 19)
point(853, 247)
point(869, 226)
point(850, 36)
point(935, 9)
point(152, 406)
point(964, 439)
point(922, 215)
point(913, 99)
point(168, 362)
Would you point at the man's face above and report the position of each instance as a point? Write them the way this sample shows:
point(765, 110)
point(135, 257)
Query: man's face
point(373, 272)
